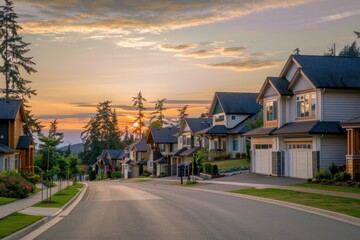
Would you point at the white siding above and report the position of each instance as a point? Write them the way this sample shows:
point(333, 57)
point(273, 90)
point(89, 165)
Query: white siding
point(302, 84)
point(333, 150)
point(269, 91)
point(340, 106)
point(290, 73)
point(232, 123)
point(292, 107)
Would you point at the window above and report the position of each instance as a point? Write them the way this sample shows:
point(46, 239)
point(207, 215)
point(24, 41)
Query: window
point(233, 117)
point(188, 141)
point(7, 164)
point(224, 145)
point(162, 147)
point(271, 110)
point(235, 145)
point(219, 118)
point(305, 105)
point(299, 146)
point(263, 146)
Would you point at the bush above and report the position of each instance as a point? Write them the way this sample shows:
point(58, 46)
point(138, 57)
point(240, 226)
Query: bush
point(15, 187)
point(237, 155)
point(333, 169)
point(342, 176)
point(215, 170)
point(322, 175)
point(31, 177)
point(357, 177)
point(116, 175)
point(108, 173)
point(208, 168)
point(92, 175)
point(146, 174)
point(162, 175)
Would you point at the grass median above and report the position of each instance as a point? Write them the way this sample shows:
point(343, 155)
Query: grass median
point(5, 200)
point(16, 222)
point(234, 163)
point(342, 205)
point(328, 187)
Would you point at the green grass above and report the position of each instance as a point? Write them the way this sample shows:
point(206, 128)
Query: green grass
point(78, 185)
point(5, 200)
point(59, 200)
point(346, 206)
point(328, 187)
point(143, 180)
point(15, 222)
point(233, 163)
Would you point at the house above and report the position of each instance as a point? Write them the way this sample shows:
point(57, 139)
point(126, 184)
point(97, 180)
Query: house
point(303, 108)
point(109, 160)
point(188, 142)
point(163, 142)
point(353, 147)
point(230, 112)
point(16, 148)
point(135, 155)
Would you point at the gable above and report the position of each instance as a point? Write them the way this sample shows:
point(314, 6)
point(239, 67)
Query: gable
point(290, 68)
point(218, 108)
point(269, 91)
point(300, 82)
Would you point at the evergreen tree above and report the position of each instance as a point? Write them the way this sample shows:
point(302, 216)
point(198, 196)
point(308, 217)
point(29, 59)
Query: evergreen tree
point(101, 132)
point(158, 114)
point(357, 34)
point(182, 113)
point(68, 151)
point(331, 51)
point(138, 102)
point(351, 50)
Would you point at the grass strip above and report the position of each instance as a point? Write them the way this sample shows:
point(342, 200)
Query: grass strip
point(348, 206)
point(15, 222)
point(234, 163)
point(60, 199)
point(143, 180)
point(328, 187)
point(5, 200)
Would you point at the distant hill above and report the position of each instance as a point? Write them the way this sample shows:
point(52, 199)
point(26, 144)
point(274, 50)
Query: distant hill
point(75, 148)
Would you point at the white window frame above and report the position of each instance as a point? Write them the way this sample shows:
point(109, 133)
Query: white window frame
point(309, 107)
point(271, 107)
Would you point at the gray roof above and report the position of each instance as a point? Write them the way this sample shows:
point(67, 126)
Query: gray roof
point(243, 126)
point(142, 162)
point(178, 152)
point(331, 71)
point(164, 135)
point(161, 160)
point(260, 132)
point(189, 152)
point(24, 142)
point(238, 103)
point(355, 120)
point(281, 85)
point(9, 109)
point(140, 145)
point(114, 154)
point(198, 124)
point(311, 127)
point(5, 149)
point(216, 129)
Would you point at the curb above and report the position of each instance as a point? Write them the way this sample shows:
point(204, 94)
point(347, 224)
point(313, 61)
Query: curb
point(23, 232)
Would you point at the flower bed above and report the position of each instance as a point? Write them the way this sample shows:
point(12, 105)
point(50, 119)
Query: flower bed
point(15, 187)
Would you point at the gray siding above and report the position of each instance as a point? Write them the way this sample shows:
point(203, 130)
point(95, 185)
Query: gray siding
point(333, 150)
point(340, 106)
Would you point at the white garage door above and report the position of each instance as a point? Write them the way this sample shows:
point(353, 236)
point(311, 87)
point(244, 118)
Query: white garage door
point(299, 161)
point(262, 158)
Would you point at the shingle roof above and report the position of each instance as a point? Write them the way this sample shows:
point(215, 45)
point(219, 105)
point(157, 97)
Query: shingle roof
point(238, 103)
point(243, 126)
point(140, 145)
point(198, 124)
point(114, 154)
point(217, 129)
point(311, 127)
point(281, 85)
point(9, 109)
point(260, 132)
point(5, 149)
point(178, 152)
point(161, 160)
point(24, 142)
point(164, 135)
point(331, 71)
point(189, 152)
point(142, 162)
point(355, 120)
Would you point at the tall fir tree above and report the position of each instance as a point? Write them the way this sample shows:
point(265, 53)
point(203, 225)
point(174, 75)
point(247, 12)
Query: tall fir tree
point(138, 102)
point(101, 132)
point(350, 50)
point(182, 113)
point(158, 113)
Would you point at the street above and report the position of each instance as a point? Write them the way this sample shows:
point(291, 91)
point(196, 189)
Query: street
point(115, 210)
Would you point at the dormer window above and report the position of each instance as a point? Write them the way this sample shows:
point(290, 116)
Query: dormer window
point(271, 110)
point(305, 105)
point(219, 118)
point(233, 117)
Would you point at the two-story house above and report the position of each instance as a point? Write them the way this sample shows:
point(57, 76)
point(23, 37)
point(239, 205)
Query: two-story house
point(230, 112)
point(109, 159)
point(16, 148)
point(188, 142)
point(135, 155)
point(163, 142)
point(302, 111)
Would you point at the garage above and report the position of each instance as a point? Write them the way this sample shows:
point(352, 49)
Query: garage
point(262, 158)
point(299, 160)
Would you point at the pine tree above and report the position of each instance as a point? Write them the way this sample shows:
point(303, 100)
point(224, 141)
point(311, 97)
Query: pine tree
point(158, 114)
point(138, 102)
point(351, 50)
point(357, 34)
point(182, 113)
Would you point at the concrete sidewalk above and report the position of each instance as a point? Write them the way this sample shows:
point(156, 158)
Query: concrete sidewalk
point(21, 204)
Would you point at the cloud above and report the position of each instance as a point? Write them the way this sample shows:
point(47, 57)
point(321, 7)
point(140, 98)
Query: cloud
point(244, 65)
point(65, 116)
point(185, 102)
point(134, 43)
point(204, 53)
point(86, 16)
point(231, 51)
point(339, 16)
point(176, 48)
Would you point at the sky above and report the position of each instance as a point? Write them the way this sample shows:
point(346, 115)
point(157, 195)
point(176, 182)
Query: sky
point(90, 51)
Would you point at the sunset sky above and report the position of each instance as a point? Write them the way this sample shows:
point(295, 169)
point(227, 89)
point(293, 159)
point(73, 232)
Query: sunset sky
point(91, 51)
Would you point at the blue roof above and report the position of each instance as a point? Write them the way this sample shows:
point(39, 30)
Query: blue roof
point(198, 124)
point(24, 142)
point(5, 149)
point(331, 71)
point(238, 103)
point(114, 154)
point(216, 129)
point(281, 85)
point(9, 109)
point(140, 145)
point(164, 135)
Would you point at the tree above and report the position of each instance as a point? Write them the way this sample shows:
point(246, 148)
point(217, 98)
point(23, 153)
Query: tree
point(158, 114)
point(350, 50)
point(357, 34)
point(138, 102)
point(257, 121)
point(74, 168)
point(182, 113)
point(331, 51)
point(101, 132)
point(154, 124)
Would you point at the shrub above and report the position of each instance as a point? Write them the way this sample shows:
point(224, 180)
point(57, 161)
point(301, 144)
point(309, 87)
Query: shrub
point(357, 177)
point(342, 176)
point(237, 155)
point(215, 170)
point(146, 173)
point(15, 187)
point(108, 173)
point(208, 168)
point(92, 175)
point(162, 175)
point(116, 175)
point(322, 174)
point(31, 177)
point(333, 169)
point(309, 180)
point(243, 155)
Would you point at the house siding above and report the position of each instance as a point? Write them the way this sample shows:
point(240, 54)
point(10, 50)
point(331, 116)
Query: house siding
point(340, 106)
point(333, 150)
point(232, 123)
point(291, 71)
point(301, 85)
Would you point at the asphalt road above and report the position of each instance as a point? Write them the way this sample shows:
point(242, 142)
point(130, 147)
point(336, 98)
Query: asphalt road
point(114, 210)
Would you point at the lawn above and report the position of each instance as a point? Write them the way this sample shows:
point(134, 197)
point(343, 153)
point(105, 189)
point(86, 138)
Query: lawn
point(328, 187)
point(342, 205)
point(15, 222)
point(5, 200)
point(143, 180)
point(233, 163)
point(60, 199)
